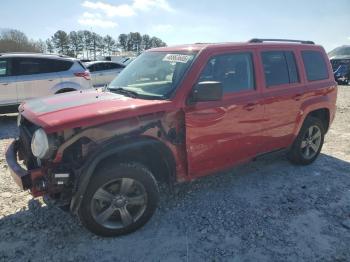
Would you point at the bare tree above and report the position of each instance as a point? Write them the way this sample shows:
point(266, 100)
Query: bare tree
point(12, 40)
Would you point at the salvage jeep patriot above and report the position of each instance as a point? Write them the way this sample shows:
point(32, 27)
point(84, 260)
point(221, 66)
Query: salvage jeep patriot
point(206, 108)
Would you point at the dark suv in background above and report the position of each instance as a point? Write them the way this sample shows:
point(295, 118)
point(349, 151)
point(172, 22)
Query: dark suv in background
point(340, 60)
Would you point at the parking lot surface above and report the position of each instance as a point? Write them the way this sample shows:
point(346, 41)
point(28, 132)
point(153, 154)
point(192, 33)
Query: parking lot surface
point(267, 210)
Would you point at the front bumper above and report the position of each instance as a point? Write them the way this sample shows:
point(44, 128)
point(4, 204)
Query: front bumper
point(21, 176)
point(24, 179)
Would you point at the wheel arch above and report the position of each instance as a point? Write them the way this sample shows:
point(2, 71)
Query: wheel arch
point(147, 151)
point(323, 114)
point(65, 90)
point(68, 85)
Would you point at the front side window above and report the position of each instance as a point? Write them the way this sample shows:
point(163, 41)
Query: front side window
point(3, 67)
point(234, 71)
point(279, 67)
point(154, 74)
point(315, 65)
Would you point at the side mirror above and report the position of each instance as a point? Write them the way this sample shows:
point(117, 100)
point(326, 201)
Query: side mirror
point(207, 91)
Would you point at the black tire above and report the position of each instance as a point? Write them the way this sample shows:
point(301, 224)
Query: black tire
point(117, 173)
point(66, 90)
point(297, 153)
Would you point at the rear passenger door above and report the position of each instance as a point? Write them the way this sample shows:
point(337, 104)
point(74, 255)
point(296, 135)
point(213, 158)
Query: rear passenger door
point(8, 86)
point(282, 94)
point(36, 77)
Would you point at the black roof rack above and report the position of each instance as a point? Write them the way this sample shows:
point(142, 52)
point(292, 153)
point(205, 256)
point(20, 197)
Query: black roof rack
point(261, 40)
point(33, 53)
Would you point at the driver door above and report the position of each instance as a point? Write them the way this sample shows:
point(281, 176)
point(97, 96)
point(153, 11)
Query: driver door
point(222, 133)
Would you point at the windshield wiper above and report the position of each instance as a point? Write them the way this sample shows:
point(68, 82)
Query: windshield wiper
point(124, 91)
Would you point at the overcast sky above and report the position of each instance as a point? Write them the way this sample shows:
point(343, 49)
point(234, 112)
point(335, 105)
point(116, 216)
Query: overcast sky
point(186, 21)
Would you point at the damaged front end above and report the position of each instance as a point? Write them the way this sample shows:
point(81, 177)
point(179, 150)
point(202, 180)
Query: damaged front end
point(60, 170)
point(39, 175)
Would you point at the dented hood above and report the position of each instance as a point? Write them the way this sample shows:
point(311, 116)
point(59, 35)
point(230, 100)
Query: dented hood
point(86, 108)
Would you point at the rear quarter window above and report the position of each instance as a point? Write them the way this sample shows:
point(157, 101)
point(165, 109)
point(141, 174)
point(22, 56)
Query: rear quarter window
point(315, 65)
point(60, 65)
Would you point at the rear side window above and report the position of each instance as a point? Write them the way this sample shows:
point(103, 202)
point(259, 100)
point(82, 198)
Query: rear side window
point(279, 67)
point(29, 66)
point(234, 71)
point(315, 65)
point(32, 66)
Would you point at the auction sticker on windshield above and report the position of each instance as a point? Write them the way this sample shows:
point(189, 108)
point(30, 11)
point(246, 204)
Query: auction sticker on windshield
point(177, 58)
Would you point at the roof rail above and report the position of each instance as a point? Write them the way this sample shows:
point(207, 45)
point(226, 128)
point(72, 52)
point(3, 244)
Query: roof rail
point(261, 40)
point(31, 53)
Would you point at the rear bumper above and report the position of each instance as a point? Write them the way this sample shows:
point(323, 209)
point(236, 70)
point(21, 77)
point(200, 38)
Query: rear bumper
point(21, 176)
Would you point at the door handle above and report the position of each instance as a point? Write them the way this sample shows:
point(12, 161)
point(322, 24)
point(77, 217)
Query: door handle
point(249, 106)
point(5, 84)
point(297, 97)
point(50, 80)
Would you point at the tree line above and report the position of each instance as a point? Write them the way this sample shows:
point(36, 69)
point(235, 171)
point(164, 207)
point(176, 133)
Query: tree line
point(82, 44)
point(89, 44)
point(16, 41)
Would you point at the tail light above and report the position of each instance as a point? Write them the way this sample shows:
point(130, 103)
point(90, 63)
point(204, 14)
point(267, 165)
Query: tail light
point(85, 74)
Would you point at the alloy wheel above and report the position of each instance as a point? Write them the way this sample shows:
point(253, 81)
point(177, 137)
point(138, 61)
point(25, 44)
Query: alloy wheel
point(119, 203)
point(311, 142)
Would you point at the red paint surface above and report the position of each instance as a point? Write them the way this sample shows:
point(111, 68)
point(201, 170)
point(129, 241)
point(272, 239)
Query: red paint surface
point(218, 134)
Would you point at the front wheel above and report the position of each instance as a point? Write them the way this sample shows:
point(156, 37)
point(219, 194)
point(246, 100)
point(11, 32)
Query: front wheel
point(308, 144)
point(119, 199)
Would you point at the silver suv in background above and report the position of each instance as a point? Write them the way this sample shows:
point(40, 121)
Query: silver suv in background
point(103, 72)
point(25, 76)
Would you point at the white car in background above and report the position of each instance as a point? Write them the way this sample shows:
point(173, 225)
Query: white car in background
point(25, 76)
point(103, 72)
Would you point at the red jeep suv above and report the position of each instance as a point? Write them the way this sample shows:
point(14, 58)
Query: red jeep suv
point(174, 114)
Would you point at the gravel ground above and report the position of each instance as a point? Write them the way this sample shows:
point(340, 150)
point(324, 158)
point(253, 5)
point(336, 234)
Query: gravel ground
point(267, 210)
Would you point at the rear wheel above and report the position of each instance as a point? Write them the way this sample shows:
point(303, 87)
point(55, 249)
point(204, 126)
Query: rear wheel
point(308, 143)
point(119, 200)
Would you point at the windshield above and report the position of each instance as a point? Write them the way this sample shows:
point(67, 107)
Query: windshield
point(153, 74)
